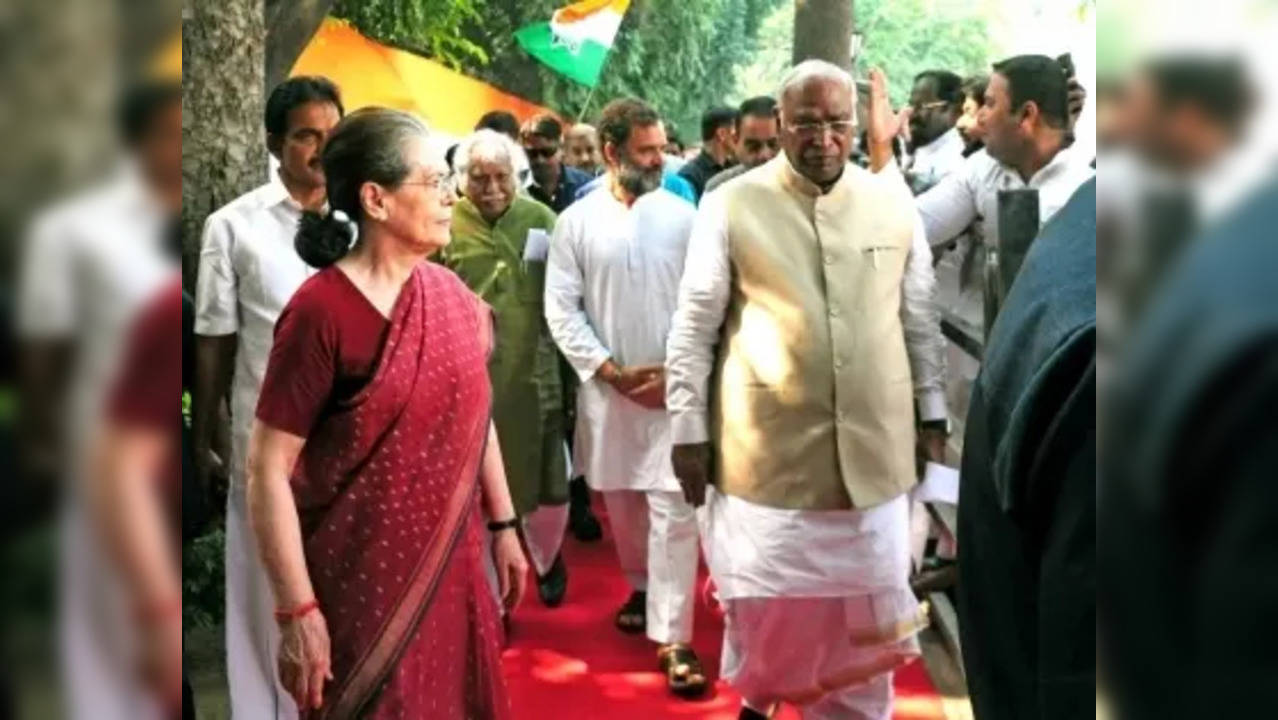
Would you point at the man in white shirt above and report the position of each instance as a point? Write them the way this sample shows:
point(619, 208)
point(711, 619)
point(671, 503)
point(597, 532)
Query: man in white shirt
point(936, 147)
point(1025, 122)
point(90, 264)
point(804, 336)
point(612, 281)
point(248, 270)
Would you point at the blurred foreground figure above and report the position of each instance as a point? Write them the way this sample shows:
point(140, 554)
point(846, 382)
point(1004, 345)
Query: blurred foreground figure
point(1183, 154)
point(1027, 504)
point(809, 287)
point(1189, 502)
point(91, 263)
point(134, 493)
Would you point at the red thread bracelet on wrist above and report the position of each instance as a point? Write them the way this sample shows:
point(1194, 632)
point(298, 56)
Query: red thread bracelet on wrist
point(296, 612)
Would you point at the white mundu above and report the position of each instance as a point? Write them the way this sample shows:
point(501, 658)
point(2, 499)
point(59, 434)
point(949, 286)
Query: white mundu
point(612, 282)
point(89, 265)
point(248, 271)
point(812, 314)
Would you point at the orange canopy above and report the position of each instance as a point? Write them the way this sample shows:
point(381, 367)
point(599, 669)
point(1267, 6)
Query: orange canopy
point(370, 73)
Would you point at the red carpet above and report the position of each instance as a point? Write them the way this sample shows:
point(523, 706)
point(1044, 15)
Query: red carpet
point(570, 663)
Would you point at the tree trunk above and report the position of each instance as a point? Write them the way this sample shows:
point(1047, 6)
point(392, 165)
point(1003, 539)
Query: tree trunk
point(60, 79)
point(223, 138)
point(823, 30)
point(289, 27)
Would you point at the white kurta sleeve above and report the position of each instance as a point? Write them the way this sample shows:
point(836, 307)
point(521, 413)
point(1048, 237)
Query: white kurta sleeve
point(216, 296)
point(565, 312)
point(703, 299)
point(920, 319)
point(46, 297)
point(949, 207)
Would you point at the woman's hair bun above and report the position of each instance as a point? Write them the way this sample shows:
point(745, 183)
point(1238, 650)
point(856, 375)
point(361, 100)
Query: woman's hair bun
point(323, 239)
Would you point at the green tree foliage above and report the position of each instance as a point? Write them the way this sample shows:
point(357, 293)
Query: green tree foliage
point(427, 27)
point(680, 56)
point(903, 37)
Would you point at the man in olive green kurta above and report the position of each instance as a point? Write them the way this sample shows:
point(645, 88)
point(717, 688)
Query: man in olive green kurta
point(492, 226)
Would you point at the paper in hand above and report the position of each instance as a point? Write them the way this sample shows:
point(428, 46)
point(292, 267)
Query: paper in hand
point(940, 485)
point(537, 245)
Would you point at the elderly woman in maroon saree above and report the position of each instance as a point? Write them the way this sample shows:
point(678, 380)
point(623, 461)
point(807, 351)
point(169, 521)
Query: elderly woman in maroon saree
point(374, 448)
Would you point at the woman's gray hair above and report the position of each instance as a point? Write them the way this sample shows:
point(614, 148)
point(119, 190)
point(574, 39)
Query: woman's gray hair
point(487, 145)
point(366, 146)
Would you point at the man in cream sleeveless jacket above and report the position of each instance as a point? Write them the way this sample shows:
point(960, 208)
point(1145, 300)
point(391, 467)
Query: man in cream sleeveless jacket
point(805, 335)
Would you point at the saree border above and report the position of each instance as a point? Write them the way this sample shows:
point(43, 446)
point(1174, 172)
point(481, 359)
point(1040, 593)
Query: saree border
point(381, 656)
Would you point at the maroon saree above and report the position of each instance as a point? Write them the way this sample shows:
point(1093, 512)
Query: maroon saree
point(387, 491)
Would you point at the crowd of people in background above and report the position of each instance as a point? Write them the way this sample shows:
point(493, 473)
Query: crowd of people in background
point(418, 367)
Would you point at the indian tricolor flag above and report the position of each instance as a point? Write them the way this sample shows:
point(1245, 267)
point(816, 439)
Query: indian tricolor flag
point(577, 39)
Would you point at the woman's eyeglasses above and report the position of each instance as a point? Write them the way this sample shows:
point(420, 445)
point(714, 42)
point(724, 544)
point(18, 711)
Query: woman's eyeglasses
point(443, 183)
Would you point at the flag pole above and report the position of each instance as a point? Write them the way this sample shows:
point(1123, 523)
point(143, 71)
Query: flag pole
point(586, 106)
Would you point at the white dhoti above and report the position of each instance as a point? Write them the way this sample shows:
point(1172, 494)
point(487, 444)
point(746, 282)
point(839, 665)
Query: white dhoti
point(819, 609)
point(98, 635)
point(656, 537)
point(544, 530)
point(252, 636)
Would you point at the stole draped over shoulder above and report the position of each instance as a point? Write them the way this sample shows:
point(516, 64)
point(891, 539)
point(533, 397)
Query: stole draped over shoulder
point(387, 491)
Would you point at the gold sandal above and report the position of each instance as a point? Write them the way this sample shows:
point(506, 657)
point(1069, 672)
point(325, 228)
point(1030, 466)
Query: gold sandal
point(684, 674)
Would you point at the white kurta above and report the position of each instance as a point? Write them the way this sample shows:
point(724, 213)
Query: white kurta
point(939, 158)
point(248, 272)
point(612, 281)
point(90, 265)
point(972, 193)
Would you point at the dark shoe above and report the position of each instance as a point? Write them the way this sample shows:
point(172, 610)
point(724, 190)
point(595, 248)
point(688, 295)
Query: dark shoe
point(583, 523)
point(552, 586)
point(632, 618)
point(751, 714)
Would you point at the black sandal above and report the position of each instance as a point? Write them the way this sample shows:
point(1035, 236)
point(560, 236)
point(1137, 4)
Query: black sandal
point(632, 618)
point(684, 674)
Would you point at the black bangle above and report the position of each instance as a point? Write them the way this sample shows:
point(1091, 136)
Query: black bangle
point(510, 524)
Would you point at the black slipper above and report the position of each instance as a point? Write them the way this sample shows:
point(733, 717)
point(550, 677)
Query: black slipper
point(632, 618)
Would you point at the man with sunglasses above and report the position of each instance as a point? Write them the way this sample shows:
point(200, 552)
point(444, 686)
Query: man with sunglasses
point(936, 147)
point(554, 184)
point(757, 137)
point(804, 335)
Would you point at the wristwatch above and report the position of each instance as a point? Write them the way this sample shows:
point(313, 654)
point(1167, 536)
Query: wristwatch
point(942, 425)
